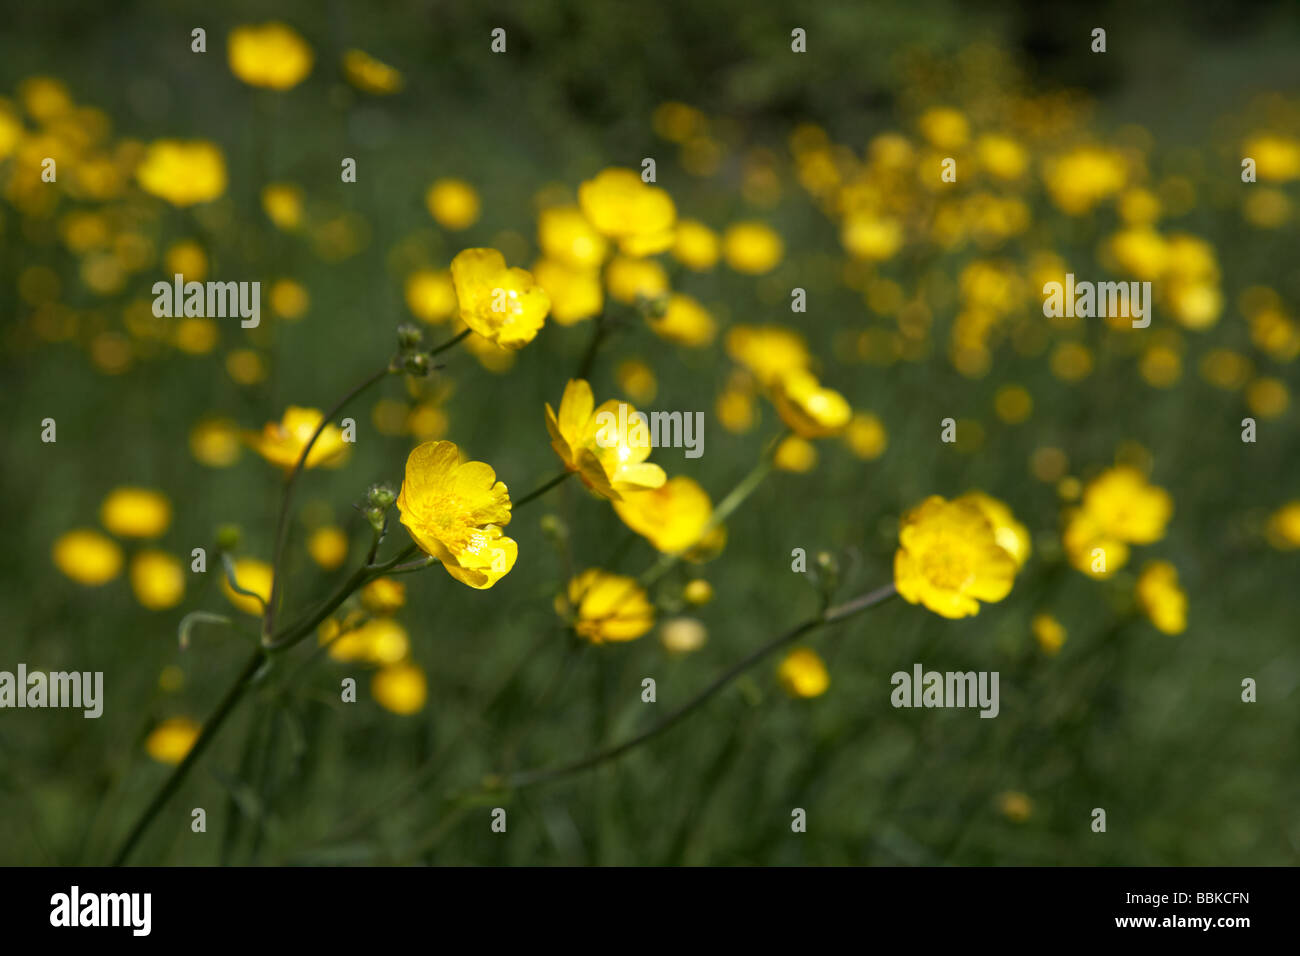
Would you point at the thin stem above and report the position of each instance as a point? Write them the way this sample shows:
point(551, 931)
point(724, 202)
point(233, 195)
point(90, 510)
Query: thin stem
point(597, 338)
point(449, 343)
point(538, 492)
point(205, 737)
point(286, 498)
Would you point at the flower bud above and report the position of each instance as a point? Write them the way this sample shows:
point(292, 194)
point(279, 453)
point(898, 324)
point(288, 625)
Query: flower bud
point(409, 335)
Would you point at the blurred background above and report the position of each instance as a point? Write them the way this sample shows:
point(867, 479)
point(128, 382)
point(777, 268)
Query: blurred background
point(923, 304)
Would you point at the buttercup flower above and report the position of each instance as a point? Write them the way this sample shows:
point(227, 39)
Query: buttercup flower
point(380, 640)
point(949, 558)
point(575, 294)
point(271, 55)
point(753, 248)
point(400, 688)
point(606, 608)
point(682, 635)
point(1160, 597)
point(281, 443)
point(672, 517)
point(685, 322)
point(1049, 633)
point(172, 739)
point(1126, 506)
point(1089, 547)
point(136, 512)
point(251, 575)
point(1284, 527)
point(383, 595)
point(183, 173)
point(453, 203)
point(638, 216)
point(1011, 536)
point(87, 557)
point(370, 75)
point(803, 674)
point(505, 306)
point(567, 236)
point(328, 546)
point(454, 510)
point(215, 442)
point(769, 351)
point(808, 408)
point(613, 468)
point(696, 246)
point(158, 580)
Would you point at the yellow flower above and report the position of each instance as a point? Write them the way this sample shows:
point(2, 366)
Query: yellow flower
point(682, 635)
point(1001, 156)
point(431, 295)
point(808, 408)
point(638, 216)
point(866, 436)
point(400, 688)
point(1015, 806)
point(136, 512)
point(1084, 177)
point(1089, 548)
point(383, 596)
point(608, 463)
point(188, 259)
point(1160, 597)
point(281, 443)
point(944, 127)
point(453, 203)
point(1277, 158)
point(158, 580)
point(698, 591)
point(566, 236)
point(1013, 404)
point(637, 380)
point(1011, 536)
point(454, 510)
point(271, 55)
point(87, 557)
point(172, 739)
point(183, 173)
point(803, 674)
point(505, 306)
point(328, 546)
point(1126, 506)
point(251, 575)
point(631, 279)
point(1284, 527)
point(1049, 633)
point(870, 237)
point(370, 75)
point(795, 454)
point(215, 442)
point(752, 247)
point(696, 246)
point(606, 608)
point(949, 558)
point(769, 351)
point(672, 517)
point(685, 322)
point(289, 299)
point(575, 294)
point(282, 203)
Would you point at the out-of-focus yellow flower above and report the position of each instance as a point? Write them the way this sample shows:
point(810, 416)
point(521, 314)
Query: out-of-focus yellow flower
point(575, 294)
point(370, 75)
point(131, 512)
point(609, 464)
point(246, 367)
point(753, 248)
point(1015, 806)
point(1083, 177)
point(698, 591)
point(1011, 536)
point(1140, 251)
point(172, 739)
point(949, 558)
point(183, 173)
point(672, 517)
point(1128, 507)
point(769, 351)
point(1139, 207)
point(696, 246)
point(812, 410)
point(357, 637)
point(1284, 527)
point(215, 442)
point(1071, 362)
point(1267, 397)
point(685, 322)
point(682, 635)
point(383, 596)
point(1266, 208)
point(795, 454)
point(426, 421)
point(431, 295)
point(283, 205)
point(1160, 597)
point(281, 443)
point(802, 674)
point(640, 217)
point(630, 279)
point(866, 436)
point(186, 258)
point(871, 237)
point(196, 336)
point(1277, 158)
point(1226, 369)
point(158, 579)
point(505, 306)
point(328, 546)
point(1001, 156)
point(944, 127)
point(1160, 366)
point(400, 688)
point(605, 608)
point(455, 510)
point(736, 409)
point(87, 557)
point(1013, 404)
point(289, 299)
point(637, 380)
point(271, 55)
point(1049, 633)
point(45, 98)
point(251, 575)
point(565, 235)
point(1089, 547)
point(678, 122)
point(453, 203)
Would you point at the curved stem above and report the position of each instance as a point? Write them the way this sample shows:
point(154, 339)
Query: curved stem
point(538, 492)
point(449, 343)
point(830, 616)
point(286, 499)
point(597, 338)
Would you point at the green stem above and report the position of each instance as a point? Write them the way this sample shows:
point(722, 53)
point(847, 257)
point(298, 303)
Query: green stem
point(538, 492)
point(449, 343)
